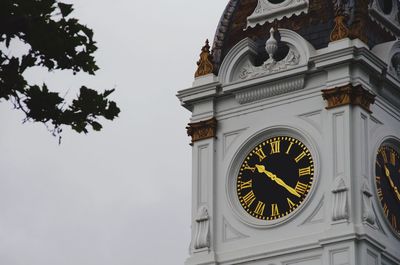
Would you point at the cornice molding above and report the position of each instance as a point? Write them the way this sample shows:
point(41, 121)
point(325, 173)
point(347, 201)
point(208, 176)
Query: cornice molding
point(204, 87)
point(348, 95)
point(202, 130)
point(269, 90)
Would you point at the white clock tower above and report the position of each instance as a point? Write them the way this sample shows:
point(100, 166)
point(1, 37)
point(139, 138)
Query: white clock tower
point(295, 133)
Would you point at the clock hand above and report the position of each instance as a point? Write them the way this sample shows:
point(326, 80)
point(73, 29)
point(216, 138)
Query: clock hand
point(279, 181)
point(397, 194)
point(396, 191)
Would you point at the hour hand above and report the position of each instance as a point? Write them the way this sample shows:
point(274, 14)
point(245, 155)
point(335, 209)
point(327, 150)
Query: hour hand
point(279, 181)
point(396, 191)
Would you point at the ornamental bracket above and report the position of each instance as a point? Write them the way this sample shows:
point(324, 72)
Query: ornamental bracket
point(348, 95)
point(202, 130)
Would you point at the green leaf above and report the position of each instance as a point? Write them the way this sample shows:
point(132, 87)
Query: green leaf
point(65, 9)
point(112, 111)
point(108, 92)
point(67, 45)
point(96, 126)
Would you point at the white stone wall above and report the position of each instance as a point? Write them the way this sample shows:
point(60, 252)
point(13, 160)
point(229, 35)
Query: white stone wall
point(340, 223)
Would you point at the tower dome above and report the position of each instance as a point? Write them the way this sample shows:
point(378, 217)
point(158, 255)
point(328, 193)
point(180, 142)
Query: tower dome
point(317, 21)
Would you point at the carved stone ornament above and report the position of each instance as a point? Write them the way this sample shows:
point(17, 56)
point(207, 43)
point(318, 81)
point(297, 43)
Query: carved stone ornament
point(202, 130)
point(348, 95)
point(267, 11)
point(205, 64)
point(340, 30)
point(340, 203)
point(368, 213)
point(344, 11)
point(202, 235)
point(270, 66)
point(272, 89)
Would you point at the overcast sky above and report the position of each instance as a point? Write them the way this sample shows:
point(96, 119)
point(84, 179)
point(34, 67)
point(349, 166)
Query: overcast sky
point(121, 196)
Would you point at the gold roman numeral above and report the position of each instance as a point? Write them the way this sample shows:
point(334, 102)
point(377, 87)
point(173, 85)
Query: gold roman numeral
point(301, 188)
point(274, 210)
point(260, 208)
point(380, 195)
point(260, 153)
point(246, 185)
point(394, 221)
point(291, 204)
point(305, 171)
point(275, 147)
point(386, 210)
point(384, 156)
point(378, 179)
point(393, 158)
point(249, 198)
point(290, 147)
point(299, 157)
point(247, 167)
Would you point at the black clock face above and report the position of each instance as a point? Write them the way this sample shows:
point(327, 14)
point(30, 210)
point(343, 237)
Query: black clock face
point(275, 178)
point(387, 182)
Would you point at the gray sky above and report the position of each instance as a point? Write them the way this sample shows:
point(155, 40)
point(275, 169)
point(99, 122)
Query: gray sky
point(121, 196)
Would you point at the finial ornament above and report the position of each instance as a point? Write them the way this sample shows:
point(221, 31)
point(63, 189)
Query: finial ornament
point(271, 65)
point(205, 64)
point(340, 30)
point(271, 46)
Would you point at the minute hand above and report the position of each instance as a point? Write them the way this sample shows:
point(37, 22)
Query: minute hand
point(280, 182)
point(396, 191)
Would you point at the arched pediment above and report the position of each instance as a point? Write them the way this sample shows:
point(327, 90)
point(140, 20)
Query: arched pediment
point(389, 52)
point(238, 64)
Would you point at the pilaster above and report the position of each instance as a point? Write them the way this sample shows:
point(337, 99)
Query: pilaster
point(202, 129)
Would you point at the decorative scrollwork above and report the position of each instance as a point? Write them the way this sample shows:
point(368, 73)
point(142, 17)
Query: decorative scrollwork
point(340, 203)
point(270, 65)
point(202, 235)
point(250, 71)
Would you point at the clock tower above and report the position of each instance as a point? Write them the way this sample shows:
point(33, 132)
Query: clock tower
point(295, 133)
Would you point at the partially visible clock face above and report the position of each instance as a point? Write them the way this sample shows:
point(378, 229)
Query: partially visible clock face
point(387, 182)
point(275, 178)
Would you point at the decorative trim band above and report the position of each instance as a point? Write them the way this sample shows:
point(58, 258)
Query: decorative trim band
point(202, 130)
point(348, 95)
point(266, 11)
point(270, 90)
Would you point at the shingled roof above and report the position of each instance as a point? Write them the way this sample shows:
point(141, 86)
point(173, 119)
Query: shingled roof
point(316, 26)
